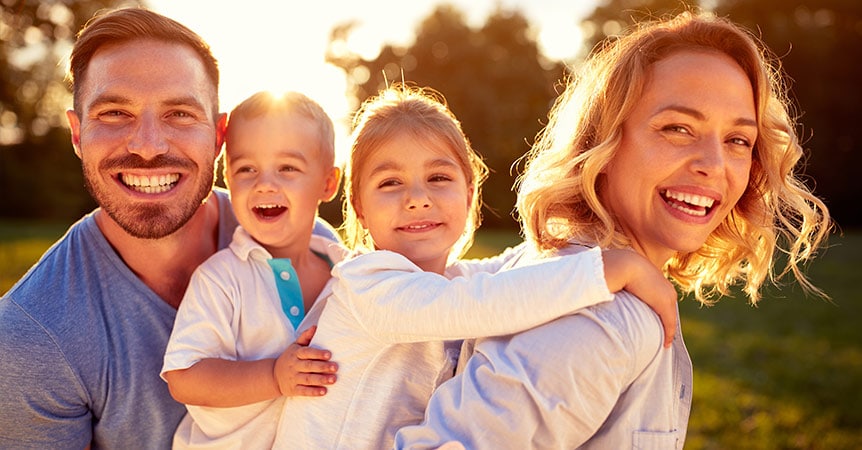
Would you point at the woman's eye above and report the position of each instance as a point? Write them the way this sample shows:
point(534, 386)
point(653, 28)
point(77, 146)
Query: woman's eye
point(676, 129)
point(741, 141)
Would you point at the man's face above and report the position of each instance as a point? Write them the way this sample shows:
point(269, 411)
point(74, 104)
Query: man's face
point(146, 134)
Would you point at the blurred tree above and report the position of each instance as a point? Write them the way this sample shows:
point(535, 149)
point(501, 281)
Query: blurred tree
point(494, 79)
point(611, 17)
point(40, 176)
point(819, 44)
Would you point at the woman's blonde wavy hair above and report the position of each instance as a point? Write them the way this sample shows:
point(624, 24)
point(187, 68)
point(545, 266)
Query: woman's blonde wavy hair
point(557, 193)
point(424, 114)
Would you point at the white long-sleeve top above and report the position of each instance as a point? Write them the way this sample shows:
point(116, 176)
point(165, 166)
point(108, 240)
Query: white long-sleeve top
point(596, 379)
point(390, 327)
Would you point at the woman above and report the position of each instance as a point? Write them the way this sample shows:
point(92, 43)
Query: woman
point(675, 140)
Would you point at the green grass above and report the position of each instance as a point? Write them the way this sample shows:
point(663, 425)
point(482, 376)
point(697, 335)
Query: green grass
point(786, 374)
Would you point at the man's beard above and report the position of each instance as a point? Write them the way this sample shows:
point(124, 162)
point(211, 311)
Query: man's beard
point(148, 221)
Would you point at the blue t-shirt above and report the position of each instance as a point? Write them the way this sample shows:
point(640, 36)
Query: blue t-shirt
point(82, 342)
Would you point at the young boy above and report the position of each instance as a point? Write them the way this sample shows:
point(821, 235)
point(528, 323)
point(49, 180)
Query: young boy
point(230, 357)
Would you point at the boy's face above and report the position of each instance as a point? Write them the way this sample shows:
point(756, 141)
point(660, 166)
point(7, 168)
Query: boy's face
point(277, 177)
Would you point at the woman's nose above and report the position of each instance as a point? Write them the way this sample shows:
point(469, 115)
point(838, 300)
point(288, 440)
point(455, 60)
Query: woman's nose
point(709, 157)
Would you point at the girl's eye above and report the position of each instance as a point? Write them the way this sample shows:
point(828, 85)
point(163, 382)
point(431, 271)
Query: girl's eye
point(244, 169)
point(439, 177)
point(388, 182)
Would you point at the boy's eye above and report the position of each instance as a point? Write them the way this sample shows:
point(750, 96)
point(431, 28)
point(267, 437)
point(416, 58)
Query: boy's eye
point(289, 169)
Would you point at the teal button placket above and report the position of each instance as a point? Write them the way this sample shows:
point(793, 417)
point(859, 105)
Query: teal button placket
point(289, 292)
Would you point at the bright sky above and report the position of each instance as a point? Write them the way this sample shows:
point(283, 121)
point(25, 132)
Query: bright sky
point(277, 45)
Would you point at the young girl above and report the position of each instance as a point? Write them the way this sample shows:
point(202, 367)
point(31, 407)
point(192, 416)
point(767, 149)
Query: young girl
point(398, 309)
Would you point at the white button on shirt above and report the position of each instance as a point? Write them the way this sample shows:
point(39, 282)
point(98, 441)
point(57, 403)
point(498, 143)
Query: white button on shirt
point(285, 275)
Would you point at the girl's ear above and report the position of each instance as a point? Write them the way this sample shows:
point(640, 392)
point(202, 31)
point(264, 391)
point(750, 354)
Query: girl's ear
point(470, 193)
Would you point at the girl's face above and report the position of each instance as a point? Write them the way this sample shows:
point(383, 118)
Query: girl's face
point(685, 154)
point(414, 199)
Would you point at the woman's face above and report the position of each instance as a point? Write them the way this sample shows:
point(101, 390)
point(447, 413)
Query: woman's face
point(685, 154)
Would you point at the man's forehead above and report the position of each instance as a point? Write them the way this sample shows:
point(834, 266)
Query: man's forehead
point(159, 71)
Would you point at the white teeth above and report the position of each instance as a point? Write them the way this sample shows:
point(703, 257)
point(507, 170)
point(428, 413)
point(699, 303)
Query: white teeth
point(267, 206)
point(150, 184)
point(691, 199)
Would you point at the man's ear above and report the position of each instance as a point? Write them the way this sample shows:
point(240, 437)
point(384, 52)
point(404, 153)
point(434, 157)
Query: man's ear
point(221, 131)
point(331, 187)
point(75, 129)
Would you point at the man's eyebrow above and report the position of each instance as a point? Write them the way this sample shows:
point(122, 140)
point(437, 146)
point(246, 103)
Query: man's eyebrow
point(109, 99)
point(185, 101)
point(115, 99)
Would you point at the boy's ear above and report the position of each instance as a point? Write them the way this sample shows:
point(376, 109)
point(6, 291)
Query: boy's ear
point(331, 186)
point(75, 128)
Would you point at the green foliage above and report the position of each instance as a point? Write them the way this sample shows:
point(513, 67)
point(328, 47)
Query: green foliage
point(40, 177)
point(494, 79)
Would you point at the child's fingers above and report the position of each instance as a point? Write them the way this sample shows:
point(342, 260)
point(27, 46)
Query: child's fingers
point(316, 366)
point(313, 353)
point(305, 337)
point(669, 322)
point(309, 391)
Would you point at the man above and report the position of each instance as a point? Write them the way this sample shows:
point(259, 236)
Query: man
point(83, 333)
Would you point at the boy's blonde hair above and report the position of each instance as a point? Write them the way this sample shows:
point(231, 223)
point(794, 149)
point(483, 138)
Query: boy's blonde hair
point(423, 113)
point(267, 103)
point(557, 195)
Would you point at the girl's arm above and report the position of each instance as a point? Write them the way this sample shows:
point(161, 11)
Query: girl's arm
point(396, 302)
point(493, 264)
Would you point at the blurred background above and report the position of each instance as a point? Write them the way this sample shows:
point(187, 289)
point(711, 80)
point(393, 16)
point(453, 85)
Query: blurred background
point(787, 374)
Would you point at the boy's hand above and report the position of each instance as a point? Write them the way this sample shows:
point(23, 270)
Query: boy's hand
point(626, 269)
point(302, 370)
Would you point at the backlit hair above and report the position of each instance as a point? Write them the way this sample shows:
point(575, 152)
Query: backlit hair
point(265, 103)
point(129, 24)
point(424, 114)
point(557, 194)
